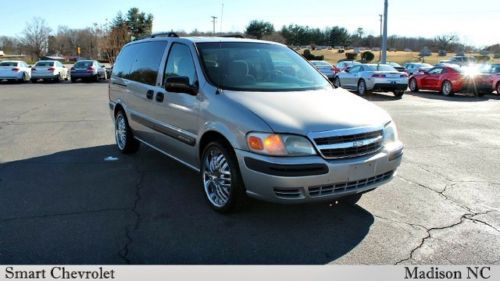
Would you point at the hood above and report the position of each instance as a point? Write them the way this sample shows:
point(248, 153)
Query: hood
point(311, 111)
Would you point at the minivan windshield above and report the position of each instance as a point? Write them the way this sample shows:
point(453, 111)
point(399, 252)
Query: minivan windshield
point(258, 67)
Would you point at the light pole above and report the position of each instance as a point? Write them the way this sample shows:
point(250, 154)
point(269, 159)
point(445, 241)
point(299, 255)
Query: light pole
point(380, 51)
point(384, 39)
point(214, 18)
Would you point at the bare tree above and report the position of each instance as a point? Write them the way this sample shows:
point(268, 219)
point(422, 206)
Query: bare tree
point(445, 42)
point(36, 37)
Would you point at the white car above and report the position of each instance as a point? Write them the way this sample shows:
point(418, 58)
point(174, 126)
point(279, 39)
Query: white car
point(15, 71)
point(49, 70)
point(373, 77)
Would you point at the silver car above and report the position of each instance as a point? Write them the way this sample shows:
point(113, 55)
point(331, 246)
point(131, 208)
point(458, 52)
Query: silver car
point(88, 70)
point(253, 118)
point(414, 67)
point(373, 77)
point(324, 67)
point(49, 70)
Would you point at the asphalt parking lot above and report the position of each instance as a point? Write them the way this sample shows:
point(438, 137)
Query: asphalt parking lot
point(61, 201)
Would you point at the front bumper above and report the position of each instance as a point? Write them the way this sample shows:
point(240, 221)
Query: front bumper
point(312, 178)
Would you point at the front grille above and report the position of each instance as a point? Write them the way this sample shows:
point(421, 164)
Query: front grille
point(289, 193)
point(341, 145)
point(318, 191)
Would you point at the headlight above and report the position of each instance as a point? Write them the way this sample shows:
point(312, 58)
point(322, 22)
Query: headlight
point(390, 133)
point(279, 145)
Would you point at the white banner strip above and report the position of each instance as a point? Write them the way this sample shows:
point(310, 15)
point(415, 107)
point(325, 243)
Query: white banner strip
point(249, 273)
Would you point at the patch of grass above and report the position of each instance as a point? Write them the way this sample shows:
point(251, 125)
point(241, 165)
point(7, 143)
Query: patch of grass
point(401, 57)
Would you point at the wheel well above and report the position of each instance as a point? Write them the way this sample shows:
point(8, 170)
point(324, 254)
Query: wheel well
point(118, 107)
point(209, 137)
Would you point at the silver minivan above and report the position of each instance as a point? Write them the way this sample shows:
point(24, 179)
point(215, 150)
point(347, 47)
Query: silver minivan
point(254, 118)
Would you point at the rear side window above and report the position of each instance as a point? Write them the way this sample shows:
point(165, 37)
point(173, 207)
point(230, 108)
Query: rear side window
point(8, 63)
point(45, 64)
point(124, 61)
point(83, 64)
point(148, 57)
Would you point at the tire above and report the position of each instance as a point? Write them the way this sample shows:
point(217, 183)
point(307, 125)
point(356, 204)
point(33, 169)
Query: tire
point(73, 80)
point(25, 78)
point(33, 80)
point(95, 78)
point(336, 82)
point(350, 199)
point(498, 88)
point(361, 87)
point(413, 85)
point(58, 78)
point(399, 93)
point(221, 178)
point(124, 137)
point(447, 88)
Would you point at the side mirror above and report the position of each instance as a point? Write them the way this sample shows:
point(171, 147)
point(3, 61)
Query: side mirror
point(180, 84)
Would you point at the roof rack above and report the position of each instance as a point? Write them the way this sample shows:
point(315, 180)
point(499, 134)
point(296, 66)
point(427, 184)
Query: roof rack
point(164, 34)
point(234, 36)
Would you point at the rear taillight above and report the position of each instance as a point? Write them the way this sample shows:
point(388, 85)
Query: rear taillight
point(90, 69)
point(51, 69)
point(404, 75)
point(377, 75)
point(15, 69)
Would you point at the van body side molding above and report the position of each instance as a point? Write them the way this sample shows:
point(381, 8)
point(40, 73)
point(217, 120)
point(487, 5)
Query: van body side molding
point(165, 129)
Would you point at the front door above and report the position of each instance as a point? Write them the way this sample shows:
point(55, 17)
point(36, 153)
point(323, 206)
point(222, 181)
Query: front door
point(178, 112)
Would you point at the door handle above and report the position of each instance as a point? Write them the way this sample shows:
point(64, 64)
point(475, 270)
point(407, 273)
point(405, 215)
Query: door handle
point(160, 97)
point(149, 94)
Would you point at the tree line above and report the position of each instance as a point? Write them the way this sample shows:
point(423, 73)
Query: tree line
point(100, 41)
point(104, 41)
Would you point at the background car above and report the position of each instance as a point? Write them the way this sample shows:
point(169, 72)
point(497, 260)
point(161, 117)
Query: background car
point(15, 71)
point(88, 70)
point(324, 67)
point(413, 67)
point(49, 70)
point(343, 65)
point(489, 78)
point(446, 78)
point(397, 66)
point(373, 77)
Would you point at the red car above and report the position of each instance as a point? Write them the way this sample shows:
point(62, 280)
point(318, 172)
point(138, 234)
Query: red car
point(447, 79)
point(491, 79)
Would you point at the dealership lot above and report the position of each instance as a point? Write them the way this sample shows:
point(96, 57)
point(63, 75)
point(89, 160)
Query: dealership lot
point(68, 196)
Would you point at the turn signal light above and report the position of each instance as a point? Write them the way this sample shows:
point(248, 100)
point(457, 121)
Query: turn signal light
point(255, 143)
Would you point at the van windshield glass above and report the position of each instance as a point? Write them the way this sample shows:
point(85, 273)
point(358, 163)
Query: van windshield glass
point(258, 67)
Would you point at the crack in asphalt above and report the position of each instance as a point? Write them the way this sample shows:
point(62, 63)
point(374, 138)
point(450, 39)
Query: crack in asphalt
point(62, 214)
point(463, 218)
point(469, 215)
point(124, 252)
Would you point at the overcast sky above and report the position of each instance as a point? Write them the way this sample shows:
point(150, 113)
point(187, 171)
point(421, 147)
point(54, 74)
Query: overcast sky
point(475, 22)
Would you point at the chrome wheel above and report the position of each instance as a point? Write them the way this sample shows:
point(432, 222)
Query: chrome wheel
point(336, 82)
point(216, 177)
point(413, 85)
point(121, 131)
point(361, 88)
point(446, 88)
